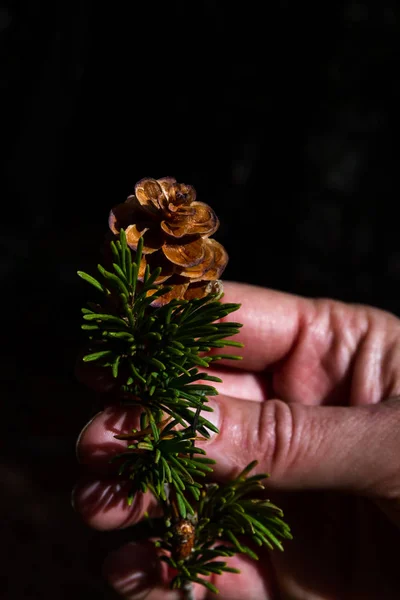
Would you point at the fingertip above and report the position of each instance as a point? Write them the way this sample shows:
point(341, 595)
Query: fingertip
point(136, 573)
point(97, 444)
point(82, 434)
point(103, 504)
point(270, 322)
point(134, 570)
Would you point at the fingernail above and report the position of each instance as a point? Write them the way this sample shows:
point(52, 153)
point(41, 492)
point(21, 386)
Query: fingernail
point(83, 491)
point(133, 570)
point(214, 417)
point(80, 436)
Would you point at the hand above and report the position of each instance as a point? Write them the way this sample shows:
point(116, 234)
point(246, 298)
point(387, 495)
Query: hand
point(314, 401)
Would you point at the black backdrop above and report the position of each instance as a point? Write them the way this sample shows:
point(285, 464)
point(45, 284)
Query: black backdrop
point(285, 121)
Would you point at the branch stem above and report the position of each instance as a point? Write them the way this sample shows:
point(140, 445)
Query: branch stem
point(188, 591)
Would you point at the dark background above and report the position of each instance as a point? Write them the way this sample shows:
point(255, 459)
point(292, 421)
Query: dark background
point(285, 122)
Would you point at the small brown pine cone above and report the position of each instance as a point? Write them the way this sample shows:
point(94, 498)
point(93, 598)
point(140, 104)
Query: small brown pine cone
point(176, 231)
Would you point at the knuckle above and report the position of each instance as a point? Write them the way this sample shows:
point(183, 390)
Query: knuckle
point(274, 436)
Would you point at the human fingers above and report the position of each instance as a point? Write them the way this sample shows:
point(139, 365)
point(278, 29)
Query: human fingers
point(102, 503)
point(353, 449)
point(100, 497)
point(238, 383)
point(303, 447)
point(271, 321)
point(97, 444)
point(318, 351)
point(309, 347)
point(276, 323)
point(349, 448)
point(135, 572)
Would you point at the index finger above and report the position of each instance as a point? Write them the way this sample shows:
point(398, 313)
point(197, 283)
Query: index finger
point(271, 321)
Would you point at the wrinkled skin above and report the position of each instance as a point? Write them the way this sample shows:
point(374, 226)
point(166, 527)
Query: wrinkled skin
point(315, 401)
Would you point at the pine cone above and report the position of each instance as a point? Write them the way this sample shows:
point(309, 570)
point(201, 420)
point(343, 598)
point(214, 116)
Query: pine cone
point(176, 231)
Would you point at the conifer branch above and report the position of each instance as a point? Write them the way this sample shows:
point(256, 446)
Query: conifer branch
point(158, 347)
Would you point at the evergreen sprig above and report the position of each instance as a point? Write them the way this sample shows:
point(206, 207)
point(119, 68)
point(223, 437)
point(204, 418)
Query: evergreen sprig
point(236, 510)
point(161, 456)
point(157, 356)
point(229, 512)
point(156, 352)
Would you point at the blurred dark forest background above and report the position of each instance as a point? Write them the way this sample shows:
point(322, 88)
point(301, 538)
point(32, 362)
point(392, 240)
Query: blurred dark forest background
point(285, 118)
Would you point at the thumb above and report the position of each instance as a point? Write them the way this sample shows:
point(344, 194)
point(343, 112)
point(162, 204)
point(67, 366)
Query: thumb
point(355, 448)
